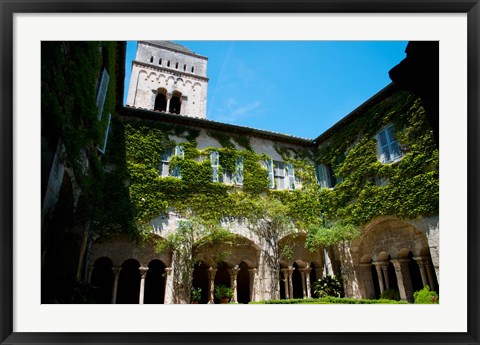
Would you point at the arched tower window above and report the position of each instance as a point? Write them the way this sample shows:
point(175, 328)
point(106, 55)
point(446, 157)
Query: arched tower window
point(176, 65)
point(192, 69)
point(160, 61)
point(161, 100)
point(175, 103)
point(151, 59)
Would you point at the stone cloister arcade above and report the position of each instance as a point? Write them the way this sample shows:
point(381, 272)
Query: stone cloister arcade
point(123, 273)
point(393, 254)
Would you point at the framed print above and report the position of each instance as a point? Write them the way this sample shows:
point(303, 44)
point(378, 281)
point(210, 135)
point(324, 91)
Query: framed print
point(155, 196)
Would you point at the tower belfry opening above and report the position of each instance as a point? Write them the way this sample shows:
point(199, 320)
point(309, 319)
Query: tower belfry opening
point(167, 87)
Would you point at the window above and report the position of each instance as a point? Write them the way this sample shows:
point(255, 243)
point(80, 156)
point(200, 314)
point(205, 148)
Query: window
point(176, 65)
point(168, 63)
point(214, 160)
point(192, 69)
point(239, 171)
point(324, 175)
point(279, 172)
point(102, 92)
point(165, 169)
point(227, 176)
point(160, 61)
point(184, 68)
point(388, 147)
point(151, 59)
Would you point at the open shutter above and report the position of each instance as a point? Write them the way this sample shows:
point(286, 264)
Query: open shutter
point(291, 177)
point(239, 171)
point(269, 164)
point(214, 160)
point(179, 152)
point(394, 147)
point(384, 147)
point(104, 147)
point(102, 92)
point(322, 176)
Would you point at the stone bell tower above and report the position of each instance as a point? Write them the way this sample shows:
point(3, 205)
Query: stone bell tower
point(168, 77)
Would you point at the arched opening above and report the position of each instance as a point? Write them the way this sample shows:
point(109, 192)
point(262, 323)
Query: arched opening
point(282, 281)
point(415, 274)
point(129, 283)
point(376, 284)
point(243, 283)
point(155, 283)
point(313, 279)
point(392, 276)
point(161, 100)
point(297, 282)
point(200, 280)
point(222, 277)
point(102, 280)
point(175, 103)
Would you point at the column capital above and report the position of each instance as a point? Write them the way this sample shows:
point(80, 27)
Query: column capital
point(168, 271)
point(234, 271)
point(143, 272)
point(116, 270)
point(211, 273)
point(252, 270)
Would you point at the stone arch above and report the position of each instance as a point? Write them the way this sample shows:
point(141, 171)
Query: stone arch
point(197, 87)
point(392, 244)
point(297, 283)
point(170, 80)
point(129, 283)
point(155, 280)
point(102, 280)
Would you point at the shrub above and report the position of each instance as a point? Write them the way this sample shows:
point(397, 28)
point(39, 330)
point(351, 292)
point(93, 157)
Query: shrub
point(391, 295)
point(425, 296)
point(222, 291)
point(327, 286)
point(330, 300)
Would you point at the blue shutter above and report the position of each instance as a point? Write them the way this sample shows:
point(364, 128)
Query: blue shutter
point(102, 92)
point(179, 152)
point(291, 177)
point(106, 134)
point(239, 171)
point(214, 160)
point(322, 176)
point(394, 147)
point(269, 164)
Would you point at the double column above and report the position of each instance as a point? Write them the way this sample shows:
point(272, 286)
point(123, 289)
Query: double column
point(288, 281)
point(426, 271)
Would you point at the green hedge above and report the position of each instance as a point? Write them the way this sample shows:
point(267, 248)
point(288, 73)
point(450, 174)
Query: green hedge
point(330, 300)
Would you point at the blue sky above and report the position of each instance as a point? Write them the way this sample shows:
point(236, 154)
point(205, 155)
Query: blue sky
point(299, 88)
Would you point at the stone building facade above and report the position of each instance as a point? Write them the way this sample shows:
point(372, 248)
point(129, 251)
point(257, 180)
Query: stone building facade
point(169, 87)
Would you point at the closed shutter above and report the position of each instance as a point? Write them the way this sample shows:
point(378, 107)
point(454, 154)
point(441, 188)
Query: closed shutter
point(322, 176)
point(269, 164)
point(291, 177)
point(214, 160)
point(239, 171)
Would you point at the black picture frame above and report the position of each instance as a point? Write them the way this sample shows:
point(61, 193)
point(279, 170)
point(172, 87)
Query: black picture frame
point(9, 7)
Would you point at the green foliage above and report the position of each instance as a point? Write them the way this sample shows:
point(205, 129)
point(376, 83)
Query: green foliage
point(330, 234)
point(391, 295)
point(196, 294)
point(425, 296)
point(330, 300)
point(223, 291)
point(411, 187)
point(327, 286)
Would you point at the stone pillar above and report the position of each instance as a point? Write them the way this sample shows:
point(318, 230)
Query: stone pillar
point(233, 281)
point(253, 274)
point(430, 275)
point(378, 267)
point(403, 279)
point(143, 274)
point(168, 274)
point(168, 96)
point(385, 275)
point(211, 284)
point(367, 280)
point(285, 281)
point(302, 273)
point(116, 274)
point(89, 277)
point(290, 280)
point(421, 265)
point(307, 278)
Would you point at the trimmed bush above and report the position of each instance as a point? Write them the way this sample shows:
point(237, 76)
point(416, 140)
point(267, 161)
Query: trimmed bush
point(391, 295)
point(425, 296)
point(330, 300)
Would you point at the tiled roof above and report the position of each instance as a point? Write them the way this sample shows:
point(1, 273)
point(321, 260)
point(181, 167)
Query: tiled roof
point(171, 45)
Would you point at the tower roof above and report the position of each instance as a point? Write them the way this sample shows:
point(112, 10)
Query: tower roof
point(171, 45)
